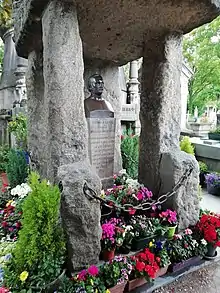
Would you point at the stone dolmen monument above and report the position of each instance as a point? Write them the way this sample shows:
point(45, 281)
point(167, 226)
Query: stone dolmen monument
point(68, 41)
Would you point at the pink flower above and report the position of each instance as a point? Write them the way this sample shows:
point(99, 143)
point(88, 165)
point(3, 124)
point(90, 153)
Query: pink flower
point(178, 236)
point(81, 275)
point(4, 290)
point(140, 195)
point(108, 230)
point(188, 231)
point(131, 211)
point(93, 270)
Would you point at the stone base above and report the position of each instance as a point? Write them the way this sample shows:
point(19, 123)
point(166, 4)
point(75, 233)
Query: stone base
point(186, 200)
point(80, 214)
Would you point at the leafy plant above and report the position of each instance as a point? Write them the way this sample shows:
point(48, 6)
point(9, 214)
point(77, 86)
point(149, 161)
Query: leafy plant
point(217, 130)
point(18, 127)
point(40, 247)
point(161, 253)
point(130, 153)
point(186, 146)
point(203, 167)
point(4, 150)
point(17, 168)
point(213, 179)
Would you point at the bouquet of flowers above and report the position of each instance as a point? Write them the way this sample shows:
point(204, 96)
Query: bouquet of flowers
point(116, 271)
point(168, 218)
point(145, 264)
point(88, 281)
point(113, 234)
point(209, 227)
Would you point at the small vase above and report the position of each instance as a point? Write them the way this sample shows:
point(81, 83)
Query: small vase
point(118, 288)
point(211, 250)
point(170, 232)
point(108, 254)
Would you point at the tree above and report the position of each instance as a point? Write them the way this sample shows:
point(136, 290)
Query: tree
point(201, 50)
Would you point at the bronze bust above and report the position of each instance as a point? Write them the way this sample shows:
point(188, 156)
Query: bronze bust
point(95, 105)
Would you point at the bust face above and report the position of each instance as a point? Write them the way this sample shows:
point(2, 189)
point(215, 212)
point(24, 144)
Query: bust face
point(96, 85)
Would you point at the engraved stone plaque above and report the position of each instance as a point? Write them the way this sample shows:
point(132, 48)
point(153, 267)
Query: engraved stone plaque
point(102, 145)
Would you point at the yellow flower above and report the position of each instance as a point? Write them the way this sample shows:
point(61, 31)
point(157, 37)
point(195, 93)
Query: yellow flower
point(9, 202)
point(151, 244)
point(107, 291)
point(91, 282)
point(23, 276)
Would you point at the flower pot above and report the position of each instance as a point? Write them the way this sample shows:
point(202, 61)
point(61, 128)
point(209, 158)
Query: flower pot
point(202, 180)
point(184, 264)
point(214, 190)
point(162, 272)
point(214, 136)
point(170, 232)
point(118, 288)
point(138, 244)
point(131, 285)
point(211, 250)
point(5, 182)
point(108, 254)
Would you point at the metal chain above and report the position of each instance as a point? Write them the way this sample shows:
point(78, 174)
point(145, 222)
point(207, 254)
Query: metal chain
point(91, 194)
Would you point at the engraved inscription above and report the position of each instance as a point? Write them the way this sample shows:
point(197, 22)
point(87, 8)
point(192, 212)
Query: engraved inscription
point(102, 145)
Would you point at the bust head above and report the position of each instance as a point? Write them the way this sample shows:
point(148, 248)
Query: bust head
point(96, 86)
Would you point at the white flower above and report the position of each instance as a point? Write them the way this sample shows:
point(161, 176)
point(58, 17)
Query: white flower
point(194, 243)
point(204, 242)
point(136, 234)
point(128, 228)
point(123, 171)
point(21, 190)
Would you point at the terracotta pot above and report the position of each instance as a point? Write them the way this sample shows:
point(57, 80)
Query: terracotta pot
point(5, 182)
point(108, 255)
point(118, 288)
point(136, 283)
point(161, 272)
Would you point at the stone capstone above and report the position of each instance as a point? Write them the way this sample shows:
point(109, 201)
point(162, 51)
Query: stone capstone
point(116, 30)
point(80, 215)
point(186, 201)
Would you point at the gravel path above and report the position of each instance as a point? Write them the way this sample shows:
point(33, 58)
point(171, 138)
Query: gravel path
point(203, 281)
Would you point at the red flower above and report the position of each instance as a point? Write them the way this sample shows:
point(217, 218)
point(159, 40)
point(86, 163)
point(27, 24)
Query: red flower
point(158, 259)
point(140, 266)
point(150, 271)
point(4, 224)
point(131, 211)
point(142, 256)
point(18, 225)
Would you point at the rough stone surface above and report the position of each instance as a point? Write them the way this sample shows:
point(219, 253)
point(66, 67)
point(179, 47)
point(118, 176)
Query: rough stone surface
point(160, 106)
point(186, 200)
point(81, 216)
point(63, 78)
point(111, 93)
point(37, 114)
point(116, 30)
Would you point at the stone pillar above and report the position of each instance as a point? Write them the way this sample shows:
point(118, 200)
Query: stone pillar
point(134, 91)
point(160, 113)
point(67, 132)
point(37, 114)
point(112, 94)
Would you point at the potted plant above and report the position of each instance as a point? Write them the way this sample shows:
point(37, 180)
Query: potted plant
point(88, 280)
point(112, 237)
point(215, 134)
point(213, 183)
point(162, 257)
point(144, 269)
point(169, 219)
point(209, 227)
point(128, 238)
point(115, 274)
point(184, 251)
point(186, 146)
point(203, 171)
point(145, 229)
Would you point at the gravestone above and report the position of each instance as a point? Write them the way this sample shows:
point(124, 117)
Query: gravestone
point(101, 131)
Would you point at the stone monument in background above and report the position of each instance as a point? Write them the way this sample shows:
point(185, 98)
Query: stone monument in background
point(101, 130)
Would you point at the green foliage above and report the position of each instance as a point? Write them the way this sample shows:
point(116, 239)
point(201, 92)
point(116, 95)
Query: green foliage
point(203, 167)
point(18, 127)
point(186, 146)
point(4, 150)
point(17, 169)
point(217, 130)
point(130, 153)
point(40, 247)
point(6, 13)
point(201, 50)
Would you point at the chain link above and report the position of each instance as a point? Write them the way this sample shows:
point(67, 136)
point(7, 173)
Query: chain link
point(91, 194)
